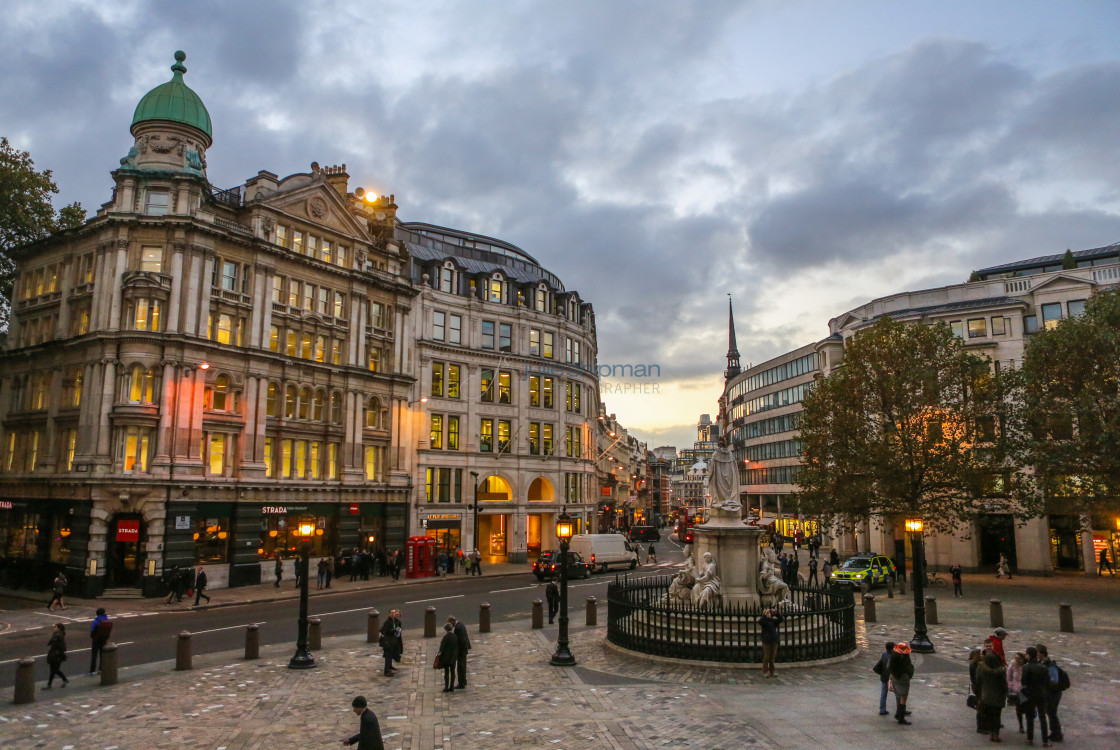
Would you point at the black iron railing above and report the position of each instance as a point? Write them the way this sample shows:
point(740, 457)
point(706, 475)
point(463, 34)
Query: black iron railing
point(822, 625)
point(230, 197)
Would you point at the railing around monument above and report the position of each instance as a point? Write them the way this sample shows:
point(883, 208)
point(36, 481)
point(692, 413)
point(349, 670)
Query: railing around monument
point(822, 625)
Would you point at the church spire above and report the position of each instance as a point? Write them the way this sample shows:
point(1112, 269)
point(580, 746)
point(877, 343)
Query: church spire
point(733, 368)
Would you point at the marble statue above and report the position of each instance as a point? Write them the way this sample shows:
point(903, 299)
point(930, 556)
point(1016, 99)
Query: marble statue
point(772, 590)
point(723, 480)
point(706, 593)
point(680, 589)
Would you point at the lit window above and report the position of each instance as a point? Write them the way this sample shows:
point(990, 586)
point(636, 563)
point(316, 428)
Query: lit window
point(534, 342)
point(141, 385)
point(290, 402)
point(496, 290)
point(305, 346)
point(135, 449)
point(146, 314)
point(297, 241)
point(285, 459)
point(281, 235)
point(503, 434)
point(546, 439)
point(1051, 314)
point(217, 457)
point(977, 328)
point(373, 412)
point(274, 339)
point(486, 436)
point(332, 455)
point(151, 258)
point(374, 359)
point(534, 438)
point(69, 444)
point(340, 256)
point(314, 457)
point(301, 459)
point(453, 381)
point(486, 383)
point(292, 343)
point(435, 434)
point(221, 393)
point(504, 387)
point(534, 390)
point(268, 457)
point(271, 403)
point(373, 462)
point(547, 393)
point(320, 349)
point(546, 345)
point(325, 251)
point(452, 433)
point(437, 379)
point(225, 329)
point(339, 305)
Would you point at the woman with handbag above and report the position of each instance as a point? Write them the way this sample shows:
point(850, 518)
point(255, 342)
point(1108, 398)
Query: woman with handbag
point(991, 677)
point(448, 656)
point(56, 654)
point(901, 670)
point(1015, 684)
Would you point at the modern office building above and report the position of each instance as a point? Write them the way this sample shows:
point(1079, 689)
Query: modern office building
point(505, 357)
point(995, 314)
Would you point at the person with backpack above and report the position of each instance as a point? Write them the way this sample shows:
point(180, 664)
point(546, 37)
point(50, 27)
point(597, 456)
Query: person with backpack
point(59, 588)
point(880, 669)
point(99, 631)
point(1058, 683)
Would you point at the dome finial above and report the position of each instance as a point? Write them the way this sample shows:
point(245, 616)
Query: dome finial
point(178, 68)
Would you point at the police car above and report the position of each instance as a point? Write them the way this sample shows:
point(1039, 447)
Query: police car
point(864, 571)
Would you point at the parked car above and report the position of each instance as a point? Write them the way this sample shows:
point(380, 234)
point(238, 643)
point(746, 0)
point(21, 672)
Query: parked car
point(644, 534)
point(547, 565)
point(864, 571)
point(605, 551)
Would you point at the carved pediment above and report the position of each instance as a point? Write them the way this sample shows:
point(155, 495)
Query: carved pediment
point(313, 201)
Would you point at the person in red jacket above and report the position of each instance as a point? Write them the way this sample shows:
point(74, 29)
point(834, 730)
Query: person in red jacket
point(995, 644)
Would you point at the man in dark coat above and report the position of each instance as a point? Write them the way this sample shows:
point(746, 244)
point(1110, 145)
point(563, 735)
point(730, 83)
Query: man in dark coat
point(1036, 689)
point(278, 569)
point(392, 642)
point(174, 583)
point(200, 584)
point(1054, 695)
point(369, 731)
point(464, 642)
point(769, 623)
point(552, 595)
point(449, 657)
point(99, 631)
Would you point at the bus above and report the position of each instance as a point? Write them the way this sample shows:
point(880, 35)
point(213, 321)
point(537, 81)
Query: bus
point(686, 519)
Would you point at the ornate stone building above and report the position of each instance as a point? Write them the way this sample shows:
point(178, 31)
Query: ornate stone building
point(193, 370)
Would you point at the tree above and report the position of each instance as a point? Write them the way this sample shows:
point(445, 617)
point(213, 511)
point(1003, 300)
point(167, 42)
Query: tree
point(906, 425)
point(1068, 261)
point(1068, 404)
point(26, 213)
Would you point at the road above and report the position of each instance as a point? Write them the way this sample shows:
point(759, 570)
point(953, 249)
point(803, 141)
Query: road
point(146, 636)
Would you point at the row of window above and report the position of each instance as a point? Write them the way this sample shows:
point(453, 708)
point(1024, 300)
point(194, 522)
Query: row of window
point(772, 475)
point(495, 435)
point(306, 296)
point(497, 387)
point(496, 289)
point(784, 397)
point(312, 246)
point(306, 345)
point(772, 426)
point(445, 485)
point(779, 449)
point(978, 327)
point(1051, 315)
point(497, 336)
point(300, 459)
point(792, 369)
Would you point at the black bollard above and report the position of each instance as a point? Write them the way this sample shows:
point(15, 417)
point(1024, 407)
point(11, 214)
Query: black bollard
point(995, 612)
point(484, 618)
point(253, 641)
point(869, 608)
point(183, 652)
point(430, 622)
point(373, 627)
point(592, 612)
point(109, 662)
point(25, 681)
point(315, 634)
point(931, 611)
point(538, 614)
point(1065, 617)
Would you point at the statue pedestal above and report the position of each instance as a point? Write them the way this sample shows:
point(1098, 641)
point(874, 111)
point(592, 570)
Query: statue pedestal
point(734, 545)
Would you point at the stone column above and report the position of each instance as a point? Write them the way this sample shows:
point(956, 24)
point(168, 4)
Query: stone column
point(193, 290)
point(100, 306)
point(87, 414)
point(169, 387)
point(357, 328)
point(118, 272)
point(62, 325)
point(50, 451)
point(261, 319)
point(108, 398)
point(174, 305)
point(205, 288)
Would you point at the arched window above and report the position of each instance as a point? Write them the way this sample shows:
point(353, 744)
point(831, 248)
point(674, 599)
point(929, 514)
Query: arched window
point(271, 402)
point(141, 384)
point(447, 277)
point(290, 402)
point(373, 412)
point(336, 408)
point(320, 403)
point(304, 402)
point(222, 397)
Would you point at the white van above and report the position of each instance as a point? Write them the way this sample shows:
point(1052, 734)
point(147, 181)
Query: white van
point(604, 551)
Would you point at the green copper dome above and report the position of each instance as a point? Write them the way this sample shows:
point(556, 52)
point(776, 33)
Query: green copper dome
point(174, 101)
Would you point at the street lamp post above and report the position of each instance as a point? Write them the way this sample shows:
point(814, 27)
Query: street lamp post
point(474, 523)
point(563, 656)
point(303, 658)
point(920, 643)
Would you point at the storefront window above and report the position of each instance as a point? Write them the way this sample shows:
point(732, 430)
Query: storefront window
point(211, 540)
point(279, 534)
point(19, 534)
point(60, 540)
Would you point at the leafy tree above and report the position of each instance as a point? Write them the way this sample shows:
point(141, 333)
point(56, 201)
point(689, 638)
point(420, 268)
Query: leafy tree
point(26, 213)
point(905, 425)
point(1068, 261)
point(1068, 403)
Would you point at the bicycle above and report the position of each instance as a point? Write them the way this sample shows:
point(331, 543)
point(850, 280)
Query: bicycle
point(933, 579)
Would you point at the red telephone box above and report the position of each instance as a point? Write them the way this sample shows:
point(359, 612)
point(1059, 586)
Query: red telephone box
point(420, 556)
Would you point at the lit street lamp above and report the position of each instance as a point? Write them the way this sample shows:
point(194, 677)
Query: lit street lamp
point(563, 656)
point(303, 658)
point(920, 643)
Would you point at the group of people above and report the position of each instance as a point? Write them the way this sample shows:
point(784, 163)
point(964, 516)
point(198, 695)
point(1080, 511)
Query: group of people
point(468, 562)
point(1032, 683)
point(184, 581)
point(99, 631)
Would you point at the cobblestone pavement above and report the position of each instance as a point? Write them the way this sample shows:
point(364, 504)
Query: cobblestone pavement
point(610, 701)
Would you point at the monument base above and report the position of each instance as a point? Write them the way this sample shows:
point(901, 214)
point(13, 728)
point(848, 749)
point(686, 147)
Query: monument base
point(735, 547)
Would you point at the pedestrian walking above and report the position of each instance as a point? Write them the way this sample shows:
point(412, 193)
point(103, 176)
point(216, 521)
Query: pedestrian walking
point(813, 581)
point(769, 623)
point(1004, 567)
point(834, 558)
point(369, 730)
point(902, 670)
point(330, 571)
point(991, 678)
point(651, 556)
point(995, 644)
point(881, 669)
point(955, 574)
point(552, 596)
point(448, 657)
point(1054, 695)
point(200, 584)
point(355, 562)
point(278, 569)
point(1036, 691)
point(1015, 685)
point(58, 589)
point(99, 631)
point(175, 585)
point(826, 571)
point(441, 564)
point(476, 558)
point(464, 641)
point(391, 641)
point(321, 574)
point(56, 654)
point(1104, 562)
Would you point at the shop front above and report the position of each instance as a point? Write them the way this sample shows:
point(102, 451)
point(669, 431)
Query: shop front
point(493, 536)
point(446, 529)
point(39, 538)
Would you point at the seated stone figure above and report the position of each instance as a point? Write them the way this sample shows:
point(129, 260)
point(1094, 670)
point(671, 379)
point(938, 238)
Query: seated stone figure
point(680, 589)
point(707, 592)
point(772, 590)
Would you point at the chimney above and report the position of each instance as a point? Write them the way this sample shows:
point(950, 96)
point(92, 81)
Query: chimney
point(337, 178)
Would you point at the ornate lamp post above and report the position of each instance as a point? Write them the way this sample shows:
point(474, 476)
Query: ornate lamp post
point(920, 643)
point(563, 656)
point(303, 658)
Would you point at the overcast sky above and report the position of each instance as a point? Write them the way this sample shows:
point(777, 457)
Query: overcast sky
point(802, 156)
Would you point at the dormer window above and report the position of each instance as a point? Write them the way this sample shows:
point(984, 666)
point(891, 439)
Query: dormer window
point(497, 291)
point(447, 278)
point(156, 202)
point(540, 302)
